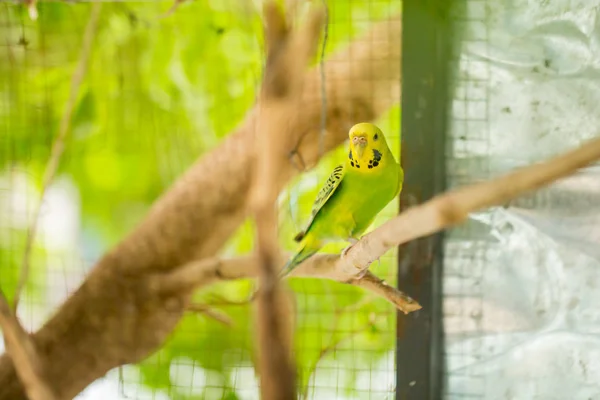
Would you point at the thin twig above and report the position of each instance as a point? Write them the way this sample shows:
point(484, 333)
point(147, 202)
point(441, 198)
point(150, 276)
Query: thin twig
point(20, 348)
point(339, 311)
point(332, 346)
point(211, 313)
point(219, 301)
point(323, 81)
point(171, 10)
point(122, 383)
point(380, 287)
point(59, 145)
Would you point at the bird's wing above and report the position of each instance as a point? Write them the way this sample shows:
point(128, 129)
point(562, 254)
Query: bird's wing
point(332, 183)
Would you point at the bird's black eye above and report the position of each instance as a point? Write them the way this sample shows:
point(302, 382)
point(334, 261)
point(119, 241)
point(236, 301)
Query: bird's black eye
point(375, 137)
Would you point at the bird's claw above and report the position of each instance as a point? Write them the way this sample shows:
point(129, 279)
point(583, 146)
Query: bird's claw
point(352, 241)
point(345, 251)
point(362, 274)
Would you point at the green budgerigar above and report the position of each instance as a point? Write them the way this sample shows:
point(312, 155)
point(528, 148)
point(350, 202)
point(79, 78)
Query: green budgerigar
point(353, 194)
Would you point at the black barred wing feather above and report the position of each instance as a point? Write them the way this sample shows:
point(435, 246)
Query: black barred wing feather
point(327, 190)
point(324, 194)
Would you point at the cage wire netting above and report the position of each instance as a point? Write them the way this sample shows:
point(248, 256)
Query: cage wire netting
point(520, 283)
point(161, 88)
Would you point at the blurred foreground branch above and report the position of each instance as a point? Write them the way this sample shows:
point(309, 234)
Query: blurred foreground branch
point(288, 53)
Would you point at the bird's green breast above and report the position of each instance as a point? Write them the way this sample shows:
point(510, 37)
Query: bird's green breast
point(356, 202)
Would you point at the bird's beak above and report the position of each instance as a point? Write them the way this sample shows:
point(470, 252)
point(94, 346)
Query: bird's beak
point(359, 143)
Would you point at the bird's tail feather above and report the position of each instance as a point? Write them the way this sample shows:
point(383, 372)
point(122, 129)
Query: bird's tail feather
point(300, 256)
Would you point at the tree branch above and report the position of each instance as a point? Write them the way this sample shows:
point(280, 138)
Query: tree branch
point(23, 354)
point(58, 145)
point(287, 58)
point(202, 273)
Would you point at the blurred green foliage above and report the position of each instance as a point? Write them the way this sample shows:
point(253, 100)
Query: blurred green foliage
point(159, 92)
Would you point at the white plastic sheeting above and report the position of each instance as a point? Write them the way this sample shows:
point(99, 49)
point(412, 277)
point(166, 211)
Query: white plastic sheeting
point(522, 283)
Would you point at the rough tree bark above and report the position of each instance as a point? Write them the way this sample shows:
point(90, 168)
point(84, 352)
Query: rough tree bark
point(117, 315)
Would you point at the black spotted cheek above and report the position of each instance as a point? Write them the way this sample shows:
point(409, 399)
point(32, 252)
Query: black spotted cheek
point(376, 155)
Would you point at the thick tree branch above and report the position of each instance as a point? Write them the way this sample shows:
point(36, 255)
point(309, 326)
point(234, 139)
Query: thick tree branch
point(21, 350)
point(116, 317)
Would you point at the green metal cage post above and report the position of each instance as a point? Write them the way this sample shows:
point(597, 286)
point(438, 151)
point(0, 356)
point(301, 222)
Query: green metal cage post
point(426, 52)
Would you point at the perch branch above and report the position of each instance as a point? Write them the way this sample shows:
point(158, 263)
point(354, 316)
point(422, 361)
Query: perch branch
point(288, 52)
point(58, 145)
point(202, 273)
point(21, 350)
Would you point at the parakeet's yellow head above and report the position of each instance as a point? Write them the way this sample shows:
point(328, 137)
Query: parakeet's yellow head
point(368, 147)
